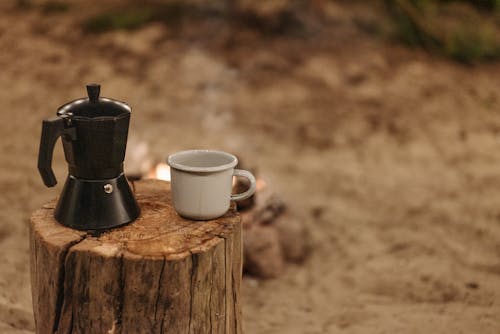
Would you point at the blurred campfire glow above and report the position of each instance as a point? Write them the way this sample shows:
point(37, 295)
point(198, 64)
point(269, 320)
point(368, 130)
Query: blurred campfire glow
point(260, 184)
point(160, 172)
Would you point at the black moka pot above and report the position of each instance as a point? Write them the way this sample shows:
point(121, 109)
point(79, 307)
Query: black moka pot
point(94, 133)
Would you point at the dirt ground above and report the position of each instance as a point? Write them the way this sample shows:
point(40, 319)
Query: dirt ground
point(391, 156)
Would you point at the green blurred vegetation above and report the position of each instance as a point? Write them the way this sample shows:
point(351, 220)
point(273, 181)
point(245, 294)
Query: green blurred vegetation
point(54, 6)
point(465, 30)
point(134, 17)
point(46, 7)
point(483, 4)
point(173, 12)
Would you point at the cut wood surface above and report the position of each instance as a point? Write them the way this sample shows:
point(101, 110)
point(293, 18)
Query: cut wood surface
point(160, 274)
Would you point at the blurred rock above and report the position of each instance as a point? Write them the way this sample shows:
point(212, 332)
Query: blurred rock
point(262, 253)
point(293, 237)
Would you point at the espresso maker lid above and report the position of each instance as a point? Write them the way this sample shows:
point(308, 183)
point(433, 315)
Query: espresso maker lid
point(93, 106)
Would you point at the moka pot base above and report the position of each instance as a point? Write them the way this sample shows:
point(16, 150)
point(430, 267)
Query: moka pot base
point(96, 204)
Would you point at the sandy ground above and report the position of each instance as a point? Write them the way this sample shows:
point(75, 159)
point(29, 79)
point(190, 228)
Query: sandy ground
point(391, 156)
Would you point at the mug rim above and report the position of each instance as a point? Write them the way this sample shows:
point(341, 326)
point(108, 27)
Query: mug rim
point(171, 161)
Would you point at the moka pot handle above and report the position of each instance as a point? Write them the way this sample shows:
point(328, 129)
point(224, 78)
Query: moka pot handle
point(51, 130)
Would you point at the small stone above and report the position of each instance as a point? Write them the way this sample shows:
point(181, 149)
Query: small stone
point(263, 256)
point(293, 237)
point(472, 285)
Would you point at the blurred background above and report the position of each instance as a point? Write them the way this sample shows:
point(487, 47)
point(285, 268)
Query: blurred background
point(376, 122)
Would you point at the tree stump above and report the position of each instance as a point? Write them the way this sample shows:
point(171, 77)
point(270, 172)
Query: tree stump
point(160, 274)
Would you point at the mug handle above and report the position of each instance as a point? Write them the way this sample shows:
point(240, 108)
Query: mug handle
point(250, 191)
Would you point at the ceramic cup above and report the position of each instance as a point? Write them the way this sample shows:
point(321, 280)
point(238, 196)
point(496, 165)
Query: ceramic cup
point(201, 182)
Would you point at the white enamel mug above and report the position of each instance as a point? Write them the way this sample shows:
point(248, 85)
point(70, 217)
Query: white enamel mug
point(201, 182)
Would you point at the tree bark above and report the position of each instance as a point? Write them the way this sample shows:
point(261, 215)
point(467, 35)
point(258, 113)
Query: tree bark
point(159, 274)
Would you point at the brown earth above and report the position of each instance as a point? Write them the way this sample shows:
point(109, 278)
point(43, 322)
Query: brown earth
point(391, 156)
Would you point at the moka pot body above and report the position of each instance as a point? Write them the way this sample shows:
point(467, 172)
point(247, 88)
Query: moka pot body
point(94, 132)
